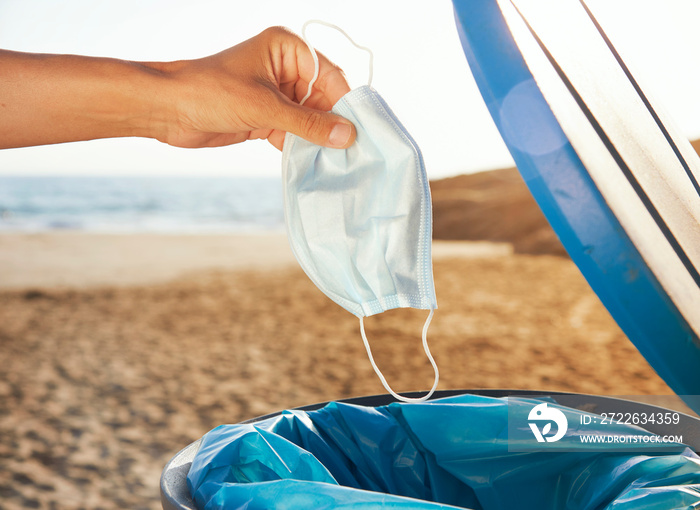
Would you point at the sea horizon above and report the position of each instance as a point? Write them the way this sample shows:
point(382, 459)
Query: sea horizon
point(140, 204)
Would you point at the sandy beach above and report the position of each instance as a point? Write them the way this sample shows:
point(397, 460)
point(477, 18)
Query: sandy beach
point(78, 259)
point(117, 351)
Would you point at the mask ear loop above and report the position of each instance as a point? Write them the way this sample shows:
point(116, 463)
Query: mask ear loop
point(315, 56)
point(427, 353)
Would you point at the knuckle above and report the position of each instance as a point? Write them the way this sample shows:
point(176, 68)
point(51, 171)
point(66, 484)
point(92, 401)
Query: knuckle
point(313, 124)
point(277, 32)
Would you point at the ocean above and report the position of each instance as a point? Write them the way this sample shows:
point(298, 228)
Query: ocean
point(141, 204)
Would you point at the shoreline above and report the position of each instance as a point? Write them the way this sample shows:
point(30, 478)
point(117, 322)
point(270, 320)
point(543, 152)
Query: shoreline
point(73, 259)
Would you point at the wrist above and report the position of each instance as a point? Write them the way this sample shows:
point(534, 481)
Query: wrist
point(154, 97)
point(173, 89)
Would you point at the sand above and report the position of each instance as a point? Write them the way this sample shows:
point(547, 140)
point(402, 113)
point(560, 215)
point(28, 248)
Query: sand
point(78, 259)
point(117, 351)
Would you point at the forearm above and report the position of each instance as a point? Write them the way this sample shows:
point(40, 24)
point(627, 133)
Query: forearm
point(47, 99)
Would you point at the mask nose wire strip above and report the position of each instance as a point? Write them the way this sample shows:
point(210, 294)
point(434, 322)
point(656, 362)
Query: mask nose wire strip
point(427, 353)
point(315, 57)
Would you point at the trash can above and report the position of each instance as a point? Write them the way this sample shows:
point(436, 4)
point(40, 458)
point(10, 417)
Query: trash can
point(175, 494)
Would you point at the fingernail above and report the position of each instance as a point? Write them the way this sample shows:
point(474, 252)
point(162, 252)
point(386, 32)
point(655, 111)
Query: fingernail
point(340, 134)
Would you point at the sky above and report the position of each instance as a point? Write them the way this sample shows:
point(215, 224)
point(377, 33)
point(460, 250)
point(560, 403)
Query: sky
point(419, 69)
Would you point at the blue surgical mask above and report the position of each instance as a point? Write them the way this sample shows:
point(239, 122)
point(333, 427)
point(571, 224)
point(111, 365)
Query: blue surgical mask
point(359, 220)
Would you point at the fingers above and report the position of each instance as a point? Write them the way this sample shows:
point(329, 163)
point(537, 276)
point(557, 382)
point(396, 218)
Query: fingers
point(294, 69)
point(331, 81)
point(321, 128)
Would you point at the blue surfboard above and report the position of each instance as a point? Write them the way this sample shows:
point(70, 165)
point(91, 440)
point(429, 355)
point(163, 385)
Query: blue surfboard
point(616, 180)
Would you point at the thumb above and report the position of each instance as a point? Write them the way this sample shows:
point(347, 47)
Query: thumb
point(321, 128)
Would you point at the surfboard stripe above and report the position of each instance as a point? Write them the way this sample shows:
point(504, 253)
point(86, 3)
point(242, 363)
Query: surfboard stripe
point(645, 99)
point(648, 204)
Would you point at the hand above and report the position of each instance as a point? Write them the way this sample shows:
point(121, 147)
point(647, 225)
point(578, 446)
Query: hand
point(252, 91)
point(246, 92)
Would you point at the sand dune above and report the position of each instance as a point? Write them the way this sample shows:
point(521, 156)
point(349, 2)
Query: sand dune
point(492, 206)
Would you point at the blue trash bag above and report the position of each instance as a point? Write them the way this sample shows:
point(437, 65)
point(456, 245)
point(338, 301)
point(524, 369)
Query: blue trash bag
point(456, 452)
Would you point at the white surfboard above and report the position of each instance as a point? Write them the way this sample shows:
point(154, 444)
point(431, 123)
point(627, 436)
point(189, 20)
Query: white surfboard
point(617, 181)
